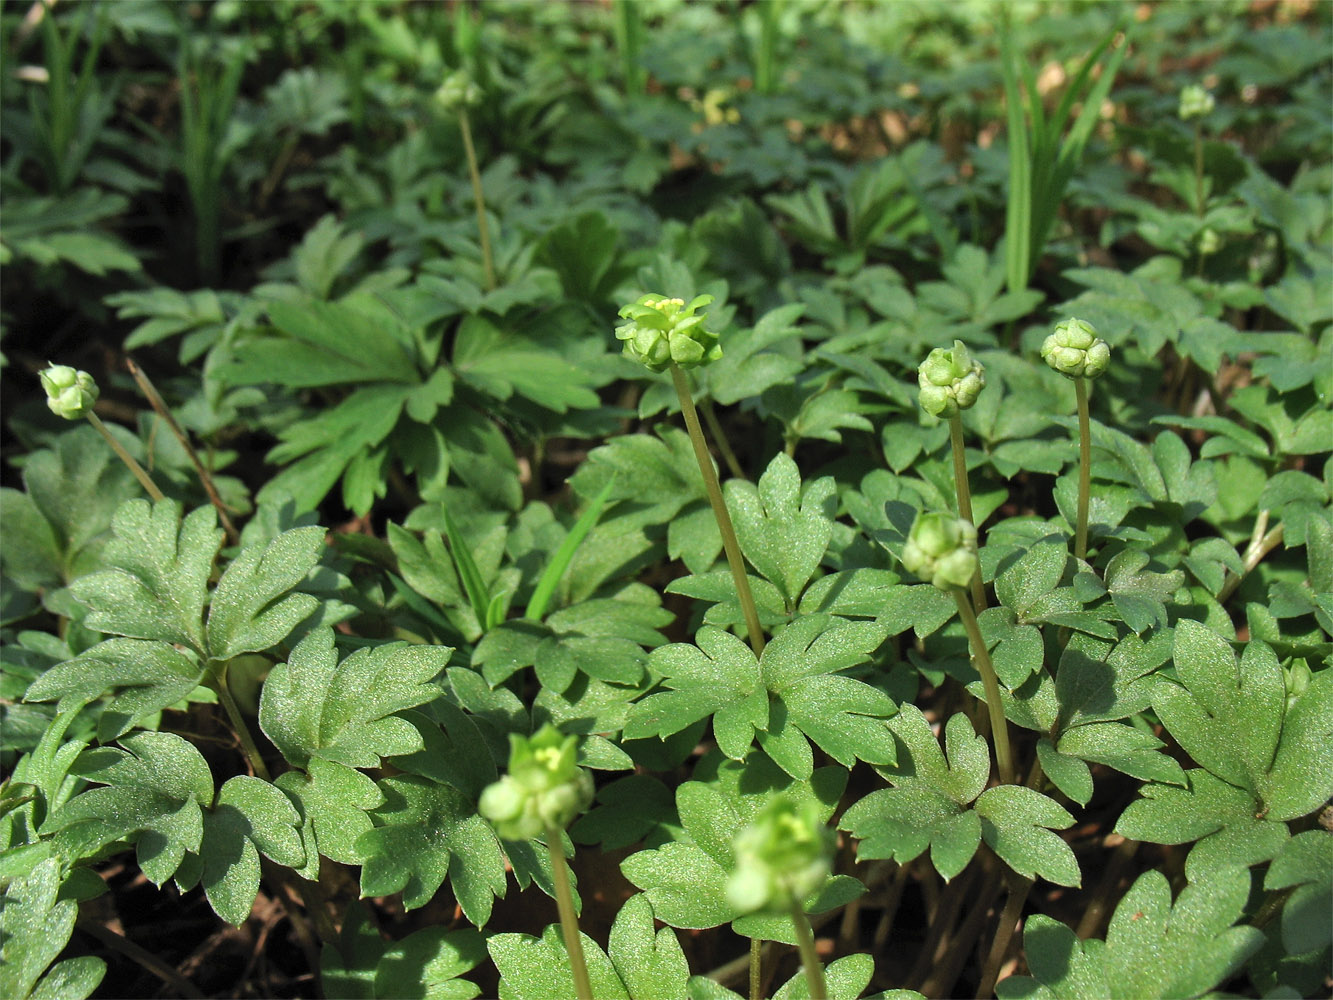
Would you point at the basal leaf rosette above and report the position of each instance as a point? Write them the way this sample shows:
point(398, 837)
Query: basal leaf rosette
point(544, 788)
point(1075, 350)
point(782, 856)
point(942, 548)
point(950, 379)
point(69, 393)
point(663, 331)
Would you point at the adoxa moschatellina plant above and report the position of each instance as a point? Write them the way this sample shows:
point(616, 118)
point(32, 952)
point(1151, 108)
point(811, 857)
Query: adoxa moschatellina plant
point(1076, 352)
point(783, 855)
point(942, 549)
point(668, 334)
point(71, 394)
point(951, 380)
point(544, 791)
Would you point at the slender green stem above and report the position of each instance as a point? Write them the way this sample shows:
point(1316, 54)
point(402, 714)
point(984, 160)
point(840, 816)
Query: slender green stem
point(1004, 934)
point(1084, 469)
point(964, 492)
point(569, 923)
point(756, 969)
point(1198, 168)
point(723, 445)
point(147, 483)
point(729, 542)
point(981, 657)
point(1260, 545)
point(479, 197)
point(805, 942)
point(160, 407)
point(242, 730)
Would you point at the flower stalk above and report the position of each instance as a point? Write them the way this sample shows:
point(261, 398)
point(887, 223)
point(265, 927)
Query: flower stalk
point(542, 793)
point(569, 922)
point(994, 705)
point(1076, 352)
point(951, 380)
point(71, 394)
point(730, 544)
point(782, 856)
point(668, 334)
point(457, 94)
point(943, 550)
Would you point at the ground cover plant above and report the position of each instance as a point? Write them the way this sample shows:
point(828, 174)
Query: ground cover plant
point(666, 500)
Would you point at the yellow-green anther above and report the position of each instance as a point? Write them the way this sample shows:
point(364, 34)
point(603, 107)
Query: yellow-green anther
point(663, 331)
point(69, 393)
point(782, 856)
point(950, 380)
point(1075, 350)
point(1195, 102)
point(544, 788)
point(942, 548)
point(458, 91)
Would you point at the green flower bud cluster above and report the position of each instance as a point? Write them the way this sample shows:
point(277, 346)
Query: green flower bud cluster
point(69, 393)
point(458, 91)
point(942, 548)
point(782, 856)
point(1075, 350)
point(664, 331)
point(1195, 102)
point(545, 787)
point(950, 380)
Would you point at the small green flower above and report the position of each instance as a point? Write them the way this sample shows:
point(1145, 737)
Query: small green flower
point(1075, 350)
point(458, 91)
point(663, 331)
point(782, 856)
point(942, 548)
point(1209, 242)
point(950, 380)
point(1195, 102)
point(544, 787)
point(69, 393)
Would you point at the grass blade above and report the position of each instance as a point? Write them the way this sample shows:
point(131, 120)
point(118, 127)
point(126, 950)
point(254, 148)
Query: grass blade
point(477, 593)
point(555, 569)
point(1018, 211)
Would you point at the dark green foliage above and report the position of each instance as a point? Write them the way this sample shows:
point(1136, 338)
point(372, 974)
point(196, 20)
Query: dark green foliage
point(270, 207)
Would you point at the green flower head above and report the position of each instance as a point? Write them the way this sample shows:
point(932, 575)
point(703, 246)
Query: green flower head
point(663, 331)
point(950, 380)
point(545, 786)
point(69, 393)
point(942, 549)
point(1075, 350)
point(782, 856)
point(1195, 102)
point(458, 91)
